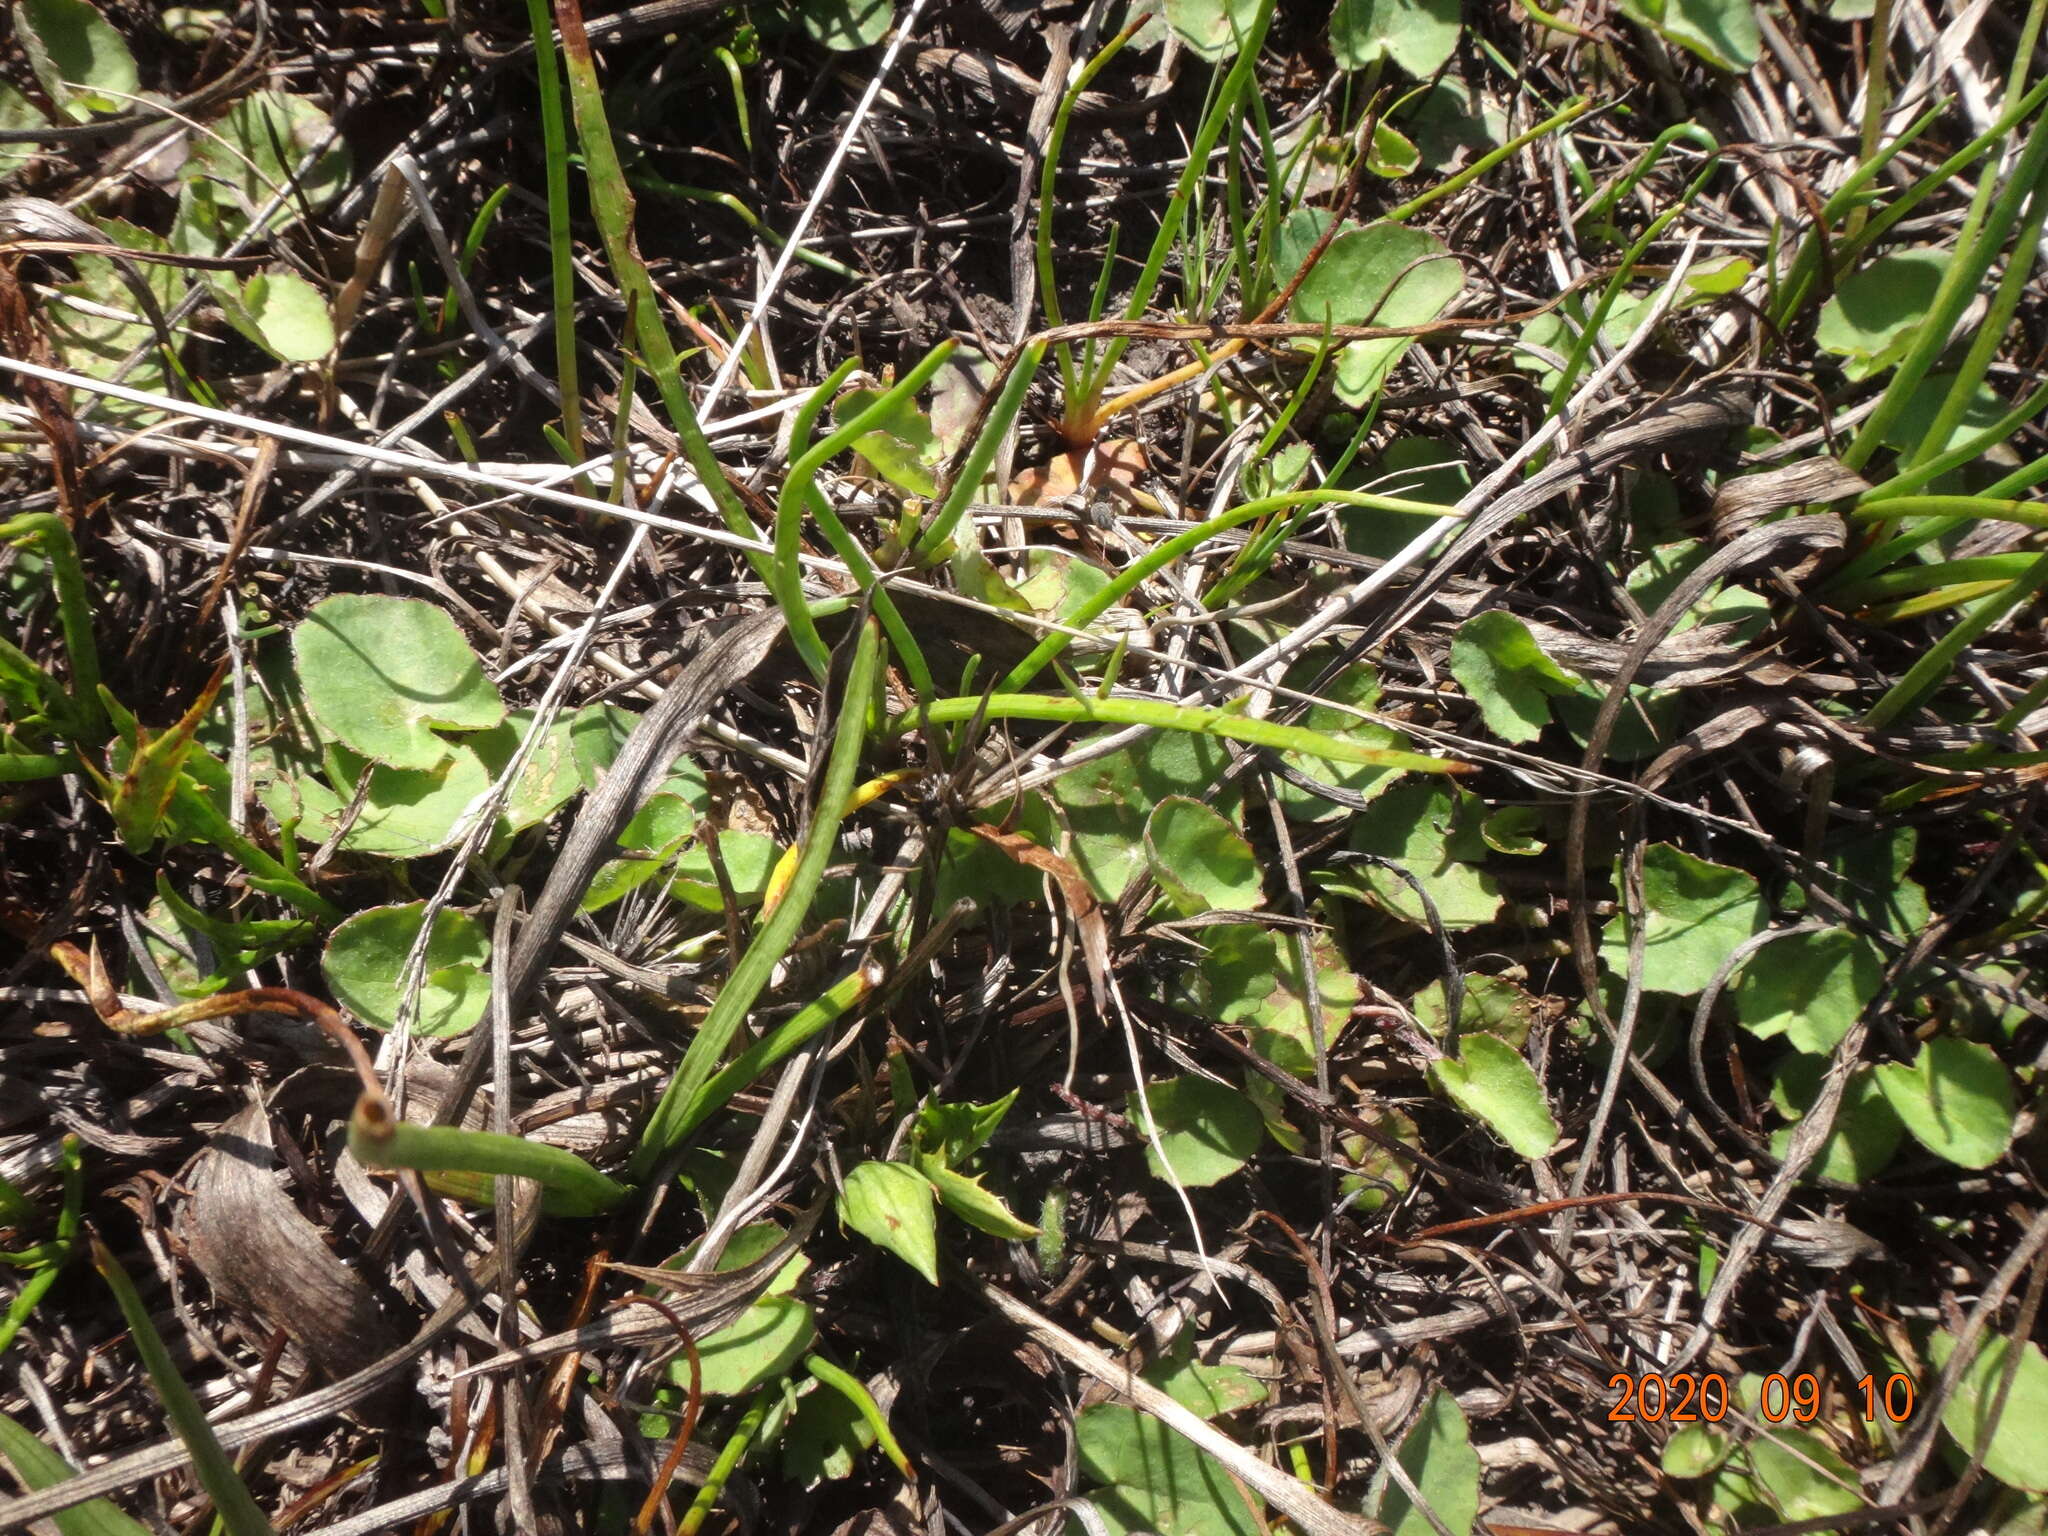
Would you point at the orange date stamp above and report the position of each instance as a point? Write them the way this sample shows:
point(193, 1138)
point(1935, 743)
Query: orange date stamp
point(1685, 1398)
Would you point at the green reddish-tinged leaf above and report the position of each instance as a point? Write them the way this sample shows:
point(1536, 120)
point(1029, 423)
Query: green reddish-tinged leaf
point(1694, 913)
point(1506, 673)
point(1155, 1480)
point(1418, 35)
point(1200, 860)
point(1439, 1459)
point(40, 1467)
point(2012, 1445)
point(1206, 1130)
point(846, 26)
point(1872, 317)
point(149, 775)
point(1211, 29)
point(1809, 988)
point(78, 56)
point(1379, 274)
point(1867, 1132)
point(890, 1204)
point(1490, 1003)
point(765, 1342)
point(1489, 1079)
point(380, 672)
point(1431, 830)
point(974, 1203)
point(365, 966)
point(1251, 975)
point(1956, 1098)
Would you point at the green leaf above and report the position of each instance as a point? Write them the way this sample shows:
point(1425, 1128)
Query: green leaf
point(378, 672)
point(748, 857)
point(1956, 1098)
point(1391, 154)
point(253, 153)
point(77, 55)
point(1491, 1003)
point(952, 1133)
point(1802, 1475)
point(1506, 673)
point(1358, 688)
point(1156, 1481)
point(408, 813)
point(18, 115)
point(1430, 830)
point(1488, 1078)
point(890, 1204)
point(1418, 35)
point(1206, 1130)
point(1209, 1391)
point(1211, 28)
point(966, 1197)
point(825, 1438)
point(1439, 1459)
point(1723, 32)
point(903, 450)
point(1251, 975)
point(1379, 1174)
point(1809, 988)
point(1379, 274)
point(1871, 319)
point(40, 1467)
point(846, 26)
point(766, 1341)
point(150, 772)
point(1106, 803)
point(1694, 914)
point(1867, 1131)
point(551, 776)
point(365, 964)
point(2012, 1446)
point(1694, 1451)
point(284, 313)
point(1200, 860)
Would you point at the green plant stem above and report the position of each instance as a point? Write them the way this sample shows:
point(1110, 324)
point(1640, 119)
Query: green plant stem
point(74, 613)
point(1158, 714)
point(777, 1046)
point(569, 1185)
point(798, 494)
point(210, 1464)
point(611, 202)
point(775, 935)
point(730, 1455)
point(1569, 113)
point(554, 134)
point(849, 1387)
point(1170, 550)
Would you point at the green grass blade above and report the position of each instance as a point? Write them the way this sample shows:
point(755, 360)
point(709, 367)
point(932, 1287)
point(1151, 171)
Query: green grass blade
point(554, 134)
point(773, 938)
point(775, 1047)
point(1161, 715)
point(569, 1185)
point(210, 1464)
point(40, 1467)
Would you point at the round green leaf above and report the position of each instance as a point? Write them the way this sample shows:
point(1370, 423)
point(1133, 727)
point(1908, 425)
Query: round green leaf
point(1694, 914)
point(78, 56)
point(365, 963)
point(769, 1338)
point(846, 26)
point(288, 316)
point(1439, 1458)
point(1809, 987)
point(550, 776)
point(1203, 1129)
point(1200, 860)
point(2012, 1446)
point(1211, 28)
point(378, 672)
point(407, 814)
point(1870, 320)
point(1418, 35)
point(1956, 1099)
point(1488, 1078)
